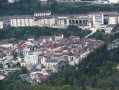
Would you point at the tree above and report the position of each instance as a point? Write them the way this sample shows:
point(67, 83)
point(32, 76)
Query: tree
point(23, 70)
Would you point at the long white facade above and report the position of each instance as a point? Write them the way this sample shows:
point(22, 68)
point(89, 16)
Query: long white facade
point(21, 21)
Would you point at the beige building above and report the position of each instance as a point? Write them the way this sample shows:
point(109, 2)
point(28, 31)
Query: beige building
point(62, 21)
point(22, 21)
point(43, 21)
point(113, 19)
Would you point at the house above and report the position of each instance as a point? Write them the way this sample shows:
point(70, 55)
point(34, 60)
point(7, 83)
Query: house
point(26, 51)
point(50, 63)
point(73, 60)
point(41, 78)
point(5, 66)
point(31, 59)
point(61, 64)
point(43, 60)
point(113, 1)
point(31, 38)
point(22, 63)
point(5, 44)
point(58, 37)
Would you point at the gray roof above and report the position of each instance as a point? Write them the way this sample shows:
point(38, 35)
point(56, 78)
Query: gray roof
point(51, 60)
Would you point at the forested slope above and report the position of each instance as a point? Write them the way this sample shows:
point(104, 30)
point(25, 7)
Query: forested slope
point(13, 34)
point(28, 7)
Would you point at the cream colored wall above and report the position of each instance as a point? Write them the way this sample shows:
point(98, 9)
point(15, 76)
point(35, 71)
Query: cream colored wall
point(112, 20)
point(22, 22)
point(45, 22)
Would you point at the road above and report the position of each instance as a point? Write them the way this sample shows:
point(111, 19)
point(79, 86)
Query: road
point(93, 31)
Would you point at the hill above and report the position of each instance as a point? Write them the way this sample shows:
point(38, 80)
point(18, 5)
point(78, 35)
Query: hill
point(27, 7)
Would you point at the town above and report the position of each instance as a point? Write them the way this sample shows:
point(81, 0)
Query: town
point(49, 54)
point(45, 56)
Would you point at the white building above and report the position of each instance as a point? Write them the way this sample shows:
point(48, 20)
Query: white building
point(31, 59)
point(42, 13)
point(22, 21)
point(113, 1)
point(26, 51)
point(58, 37)
point(98, 19)
point(73, 60)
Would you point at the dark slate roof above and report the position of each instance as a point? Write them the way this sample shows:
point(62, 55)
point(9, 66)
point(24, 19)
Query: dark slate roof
point(51, 60)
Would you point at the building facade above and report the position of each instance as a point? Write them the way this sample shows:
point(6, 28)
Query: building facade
point(43, 21)
point(22, 21)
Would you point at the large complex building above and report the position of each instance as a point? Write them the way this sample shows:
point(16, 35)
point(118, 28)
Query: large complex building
point(93, 20)
point(99, 1)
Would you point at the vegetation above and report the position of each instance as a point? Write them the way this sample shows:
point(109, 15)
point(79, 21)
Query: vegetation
point(98, 70)
point(100, 35)
point(22, 33)
point(14, 82)
point(29, 6)
point(116, 35)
